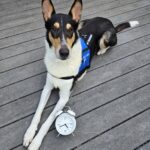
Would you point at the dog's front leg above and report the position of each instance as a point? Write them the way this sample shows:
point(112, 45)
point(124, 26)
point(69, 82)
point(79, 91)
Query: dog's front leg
point(29, 135)
point(64, 97)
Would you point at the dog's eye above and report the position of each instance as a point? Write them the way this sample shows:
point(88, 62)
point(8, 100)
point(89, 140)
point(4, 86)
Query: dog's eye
point(55, 29)
point(55, 32)
point(69, 32)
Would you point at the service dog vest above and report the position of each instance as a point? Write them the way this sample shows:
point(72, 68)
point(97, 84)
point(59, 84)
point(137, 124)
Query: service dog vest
point(85, 63)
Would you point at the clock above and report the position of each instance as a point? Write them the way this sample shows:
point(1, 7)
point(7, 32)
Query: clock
point(65, 122)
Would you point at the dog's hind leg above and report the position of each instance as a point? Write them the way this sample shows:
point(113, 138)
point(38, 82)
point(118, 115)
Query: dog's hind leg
point(107, 40)
point(103, 43)
point(64, 98)
point(29, 135)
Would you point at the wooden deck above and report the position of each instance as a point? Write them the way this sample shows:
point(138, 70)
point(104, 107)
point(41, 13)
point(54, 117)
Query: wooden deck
point(112, 102)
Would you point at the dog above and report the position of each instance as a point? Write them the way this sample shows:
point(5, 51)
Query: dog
point(70, 46)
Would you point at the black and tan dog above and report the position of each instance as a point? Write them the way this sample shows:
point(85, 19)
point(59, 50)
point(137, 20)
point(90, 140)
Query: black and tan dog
point(70, 46)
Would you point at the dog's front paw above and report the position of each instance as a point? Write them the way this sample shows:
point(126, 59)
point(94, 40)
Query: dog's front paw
point(29, 135)
point(101, 52)
point(35, 145)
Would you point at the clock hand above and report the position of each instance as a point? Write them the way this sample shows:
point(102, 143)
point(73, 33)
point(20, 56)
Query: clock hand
point(66, 125)
point(62, 125)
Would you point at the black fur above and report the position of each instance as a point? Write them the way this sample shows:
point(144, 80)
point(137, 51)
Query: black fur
point(122, 26)
point(98, 27)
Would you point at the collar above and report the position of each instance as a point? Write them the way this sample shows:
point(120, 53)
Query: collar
point(64, 78)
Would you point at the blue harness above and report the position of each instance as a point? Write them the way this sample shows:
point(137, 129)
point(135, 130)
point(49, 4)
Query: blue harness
point(86, 54)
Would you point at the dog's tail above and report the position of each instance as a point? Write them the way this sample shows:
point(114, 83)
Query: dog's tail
point(126, 25)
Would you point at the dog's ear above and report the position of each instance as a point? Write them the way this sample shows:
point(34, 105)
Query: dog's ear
point(76, 10)
point(47, 9)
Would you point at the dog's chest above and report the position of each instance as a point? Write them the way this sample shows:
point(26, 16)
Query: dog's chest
point(59, 83)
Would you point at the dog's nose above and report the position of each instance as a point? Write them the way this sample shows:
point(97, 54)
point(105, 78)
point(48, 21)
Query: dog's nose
point(64, 53)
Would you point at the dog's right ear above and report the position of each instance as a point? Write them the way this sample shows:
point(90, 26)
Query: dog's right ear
point(76, 10)
point(47, 9)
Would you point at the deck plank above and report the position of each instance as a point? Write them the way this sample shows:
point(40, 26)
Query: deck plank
point(129, 7)
point(28, 36)
point(144, 147)
point(8, 8)
point(36, 44)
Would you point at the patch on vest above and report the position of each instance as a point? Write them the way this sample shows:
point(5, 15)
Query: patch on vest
point(85, 56)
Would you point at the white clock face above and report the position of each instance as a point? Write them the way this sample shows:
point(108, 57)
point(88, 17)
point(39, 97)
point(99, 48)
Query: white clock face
point(65, 124)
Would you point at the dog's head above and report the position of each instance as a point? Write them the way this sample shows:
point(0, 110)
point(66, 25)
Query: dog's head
point(61, 28)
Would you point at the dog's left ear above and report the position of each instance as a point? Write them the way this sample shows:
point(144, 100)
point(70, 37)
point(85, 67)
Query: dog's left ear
point(76, 10)
point(47, 9)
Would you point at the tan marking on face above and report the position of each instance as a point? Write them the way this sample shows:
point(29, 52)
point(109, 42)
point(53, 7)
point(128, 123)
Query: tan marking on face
point(56, 42)
point(70, 41)
point(57, 25)
point(68, 26)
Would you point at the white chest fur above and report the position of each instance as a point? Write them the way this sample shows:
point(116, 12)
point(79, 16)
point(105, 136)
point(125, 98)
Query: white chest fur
point(60, 68)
